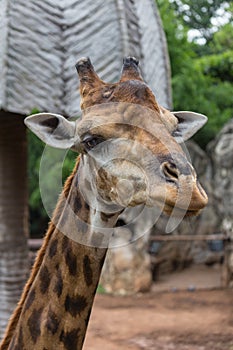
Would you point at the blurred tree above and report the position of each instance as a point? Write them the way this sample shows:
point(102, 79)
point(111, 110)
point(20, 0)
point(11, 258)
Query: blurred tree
point(180, 50)
point(201, 15)
point(202, 75)
point(222, 39)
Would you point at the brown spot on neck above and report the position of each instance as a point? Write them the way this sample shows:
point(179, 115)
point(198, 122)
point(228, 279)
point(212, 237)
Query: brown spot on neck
point(75, 305)
point(58, 288)
point(70, 339)
point(34, 324)
point(30, 298)
point(52, 322)
point(87, 270)
point(44, 277)
point(53, 248)
point(71, 259)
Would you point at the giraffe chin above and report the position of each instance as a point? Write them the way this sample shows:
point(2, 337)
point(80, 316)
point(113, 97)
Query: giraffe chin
point(180, 212)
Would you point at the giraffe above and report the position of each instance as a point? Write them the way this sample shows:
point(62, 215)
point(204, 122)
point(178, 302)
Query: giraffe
point(123, 118)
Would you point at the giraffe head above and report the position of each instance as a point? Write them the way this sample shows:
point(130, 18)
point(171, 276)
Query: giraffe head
point(130, 145)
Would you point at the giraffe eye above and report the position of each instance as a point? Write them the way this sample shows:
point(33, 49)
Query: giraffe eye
point(90, 142)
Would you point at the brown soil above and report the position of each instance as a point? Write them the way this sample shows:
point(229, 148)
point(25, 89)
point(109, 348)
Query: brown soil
point(179, 320)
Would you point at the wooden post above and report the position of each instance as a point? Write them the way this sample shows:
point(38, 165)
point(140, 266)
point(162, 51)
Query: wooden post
point(227, 273)
point(14, 265)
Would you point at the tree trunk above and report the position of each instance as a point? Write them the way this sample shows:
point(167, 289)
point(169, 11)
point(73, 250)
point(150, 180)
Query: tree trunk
point(14, 264)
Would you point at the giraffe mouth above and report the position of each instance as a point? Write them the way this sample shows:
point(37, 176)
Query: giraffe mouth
point(187, 200)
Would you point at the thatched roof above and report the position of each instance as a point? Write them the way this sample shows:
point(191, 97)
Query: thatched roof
point(42, 40)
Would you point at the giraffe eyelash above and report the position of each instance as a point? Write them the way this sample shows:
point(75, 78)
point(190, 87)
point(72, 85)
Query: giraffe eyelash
point(92, 141)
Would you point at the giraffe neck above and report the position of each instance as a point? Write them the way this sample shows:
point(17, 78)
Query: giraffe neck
point(55, 307)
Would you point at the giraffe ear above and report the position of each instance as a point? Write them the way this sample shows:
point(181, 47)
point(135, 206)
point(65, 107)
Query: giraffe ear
point(188, 124)
point(53, 129)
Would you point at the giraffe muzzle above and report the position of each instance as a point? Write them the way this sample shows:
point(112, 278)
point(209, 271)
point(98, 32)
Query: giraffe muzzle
point(177, 191)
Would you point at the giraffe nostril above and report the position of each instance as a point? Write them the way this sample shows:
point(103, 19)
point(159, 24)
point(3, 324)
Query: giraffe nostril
point(170, 171)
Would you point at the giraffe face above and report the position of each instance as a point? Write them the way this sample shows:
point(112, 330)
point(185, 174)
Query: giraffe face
point(135, 160)
point(129, 144)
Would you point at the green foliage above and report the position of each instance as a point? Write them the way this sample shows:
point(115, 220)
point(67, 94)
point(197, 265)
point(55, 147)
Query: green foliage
point(68, 164)
point(194, 91)
point(201, 74)
point(38, 216)
point(199, 14)
point(218, 66)
point(100, 289)
point(50, 183)
point(179, 49)
point(222, 39)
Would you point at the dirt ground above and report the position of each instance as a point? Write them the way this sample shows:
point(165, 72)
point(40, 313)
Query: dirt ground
point(190, 319)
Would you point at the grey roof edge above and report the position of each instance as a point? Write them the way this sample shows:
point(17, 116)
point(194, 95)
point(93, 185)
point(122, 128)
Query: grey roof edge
point(123, 26)
point(130, 43)
point(126, 47)
point(165, 52)
point(3, 50)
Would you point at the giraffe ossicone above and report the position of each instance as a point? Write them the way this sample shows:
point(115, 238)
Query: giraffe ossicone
point(129, 156)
